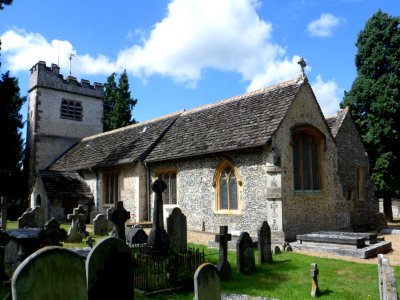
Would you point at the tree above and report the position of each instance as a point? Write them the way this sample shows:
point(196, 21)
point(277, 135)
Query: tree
point(374, 100)
point(5, 2)
point(118, 103)
point(11, 150)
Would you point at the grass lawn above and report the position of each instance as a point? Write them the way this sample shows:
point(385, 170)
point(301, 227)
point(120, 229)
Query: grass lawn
point(288, 277)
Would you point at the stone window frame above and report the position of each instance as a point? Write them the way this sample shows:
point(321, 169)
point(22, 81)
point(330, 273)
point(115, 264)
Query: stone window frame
point(110, 184)
point(71, 110)
point(314, 142)
point(170, 177)
point(222, 166)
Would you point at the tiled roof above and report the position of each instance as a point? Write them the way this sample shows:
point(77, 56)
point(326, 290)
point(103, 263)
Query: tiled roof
point(61, 185)
point(120, 146)
point(245, 121)
point(334, 122)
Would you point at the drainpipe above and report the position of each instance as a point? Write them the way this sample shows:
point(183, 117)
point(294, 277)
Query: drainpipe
point(148, 191)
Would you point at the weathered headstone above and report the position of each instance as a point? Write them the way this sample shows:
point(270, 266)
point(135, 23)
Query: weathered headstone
point(100, 225)
point(387, 279)
point(109, 270)
point(177, 230)
point(52, 234)
point(264, 243)
point(74, 235)
point(207, 283)
point(158, 240)
point(90, 242)
point(136, 236)
point(245, 254)
point(119, 216)
point(4, 239)
point(50, 273)
point(288, 248)
point(276, 250)
point(314, 272)
point(32, 218)
point(93, 215)
point(223, 266)
point(82, 220)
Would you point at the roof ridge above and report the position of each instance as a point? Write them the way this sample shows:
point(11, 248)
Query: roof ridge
point(297, 80)
point(177, 113)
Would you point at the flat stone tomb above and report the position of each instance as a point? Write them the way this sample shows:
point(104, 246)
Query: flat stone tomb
point(355, 244)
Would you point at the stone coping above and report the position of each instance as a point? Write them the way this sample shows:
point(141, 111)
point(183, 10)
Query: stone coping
point(332, 238)
point(24, 233)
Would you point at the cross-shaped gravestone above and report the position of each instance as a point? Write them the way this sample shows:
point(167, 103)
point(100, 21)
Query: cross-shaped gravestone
point(119, 216)
point(158, 240)
point(73, 234)
point(314, 280)
point(90, 242)
point(223, 266)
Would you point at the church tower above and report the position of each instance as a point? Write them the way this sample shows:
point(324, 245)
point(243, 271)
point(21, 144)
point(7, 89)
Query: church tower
point(61, 112)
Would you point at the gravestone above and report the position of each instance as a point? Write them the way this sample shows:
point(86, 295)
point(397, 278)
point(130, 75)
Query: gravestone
point(109, 270)
point(93, 215)
point(207, 283)
point(245, 254)
point(387, 279)
point(158, 242)
point(136, 236)
point(4, 239)
point(50, 273)
point(276, 250)
point(32, 218)
point(82, 220)
point(90, 242)
point(314, 272)
point(264, 243)
point(52, 234)
point(223, 266)
point(74, 235)
point(177, 230)
point(119, 216)
point(100, 225)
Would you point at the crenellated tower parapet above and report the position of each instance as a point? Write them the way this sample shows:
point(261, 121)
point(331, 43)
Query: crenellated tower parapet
point(50, 77)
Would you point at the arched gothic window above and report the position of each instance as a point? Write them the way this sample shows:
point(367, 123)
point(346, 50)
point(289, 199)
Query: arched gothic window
point(307, 144)
point(227, 184)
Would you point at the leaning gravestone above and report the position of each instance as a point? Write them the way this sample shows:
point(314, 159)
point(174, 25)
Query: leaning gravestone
point(207, 283)
point(109, 270)
point(177, 230)
point(100, 225)
point(245, 254)
point(119, 216)
point(264, 243)
point(50, 273)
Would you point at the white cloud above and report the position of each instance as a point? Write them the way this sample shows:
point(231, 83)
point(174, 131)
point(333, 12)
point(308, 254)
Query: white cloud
point(22, 49)
point(225, 35)
point(324, 26)
point(327, 94)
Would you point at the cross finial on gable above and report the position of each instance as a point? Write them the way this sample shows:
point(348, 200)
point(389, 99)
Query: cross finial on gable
point(302, 64)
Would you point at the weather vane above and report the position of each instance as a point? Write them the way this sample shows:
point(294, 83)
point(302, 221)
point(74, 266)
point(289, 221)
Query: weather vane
point(71, 55)
point(302, 64)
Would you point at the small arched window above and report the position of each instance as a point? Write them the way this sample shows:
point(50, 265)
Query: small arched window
point(227, 184)
point(307, 144)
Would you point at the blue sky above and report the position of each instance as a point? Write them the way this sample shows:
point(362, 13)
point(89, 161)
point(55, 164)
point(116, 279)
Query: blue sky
point(181, 54)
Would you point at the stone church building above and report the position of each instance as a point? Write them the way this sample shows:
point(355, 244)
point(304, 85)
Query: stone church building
point(268, 155)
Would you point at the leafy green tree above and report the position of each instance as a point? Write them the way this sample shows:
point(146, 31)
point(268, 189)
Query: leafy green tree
point(11, 123)
point(118, 103)
point(5, 2)
point(374, 100)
